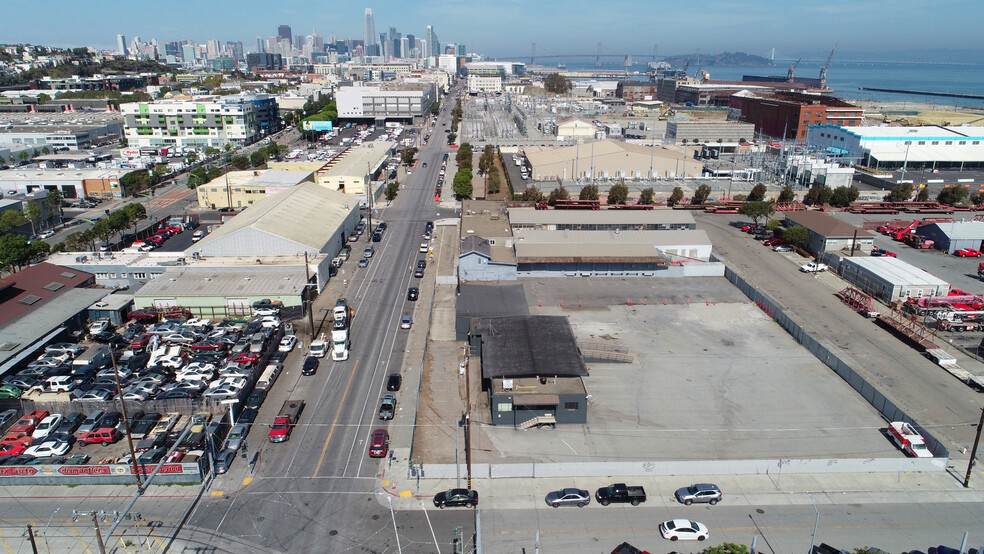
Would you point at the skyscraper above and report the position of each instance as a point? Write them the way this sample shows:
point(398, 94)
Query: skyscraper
point(121, 44)
point(369, 37)
point(433, 45)
point(260, 45)
point(283, 31)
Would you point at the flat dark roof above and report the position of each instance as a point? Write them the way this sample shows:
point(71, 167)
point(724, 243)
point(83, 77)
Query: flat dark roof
point(528, 346)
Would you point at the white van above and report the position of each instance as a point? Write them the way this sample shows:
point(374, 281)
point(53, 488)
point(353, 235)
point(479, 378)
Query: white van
point(268, 378)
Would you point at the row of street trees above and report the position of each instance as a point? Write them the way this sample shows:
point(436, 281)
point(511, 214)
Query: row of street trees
point(117, 223)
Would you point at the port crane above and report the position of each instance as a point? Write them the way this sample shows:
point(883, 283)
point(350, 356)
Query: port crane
point(823, 68)
point(790, 75)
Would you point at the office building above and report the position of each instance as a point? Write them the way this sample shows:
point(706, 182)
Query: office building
point(789, 115)
point(433, 45)
point(369, 44)
point(234, 49)
point(210, 121)
point(264, 61)
point(188, 53)
point(121, 44)
point(388, 101)
point(283, 32)
point(260, 45)
point(926, 147)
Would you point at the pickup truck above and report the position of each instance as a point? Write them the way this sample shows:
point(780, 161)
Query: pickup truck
point(387, 406)
point(28, 423)
point(618, 492)
point(908, 439)
point(813, 267)
point(285, 421)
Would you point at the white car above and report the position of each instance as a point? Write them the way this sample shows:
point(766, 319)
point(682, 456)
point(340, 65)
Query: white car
point(101, 395)
point(230, 381)
point(406, 322)
point(110, 373)
point(46, 426)
point(683, 530)
point(423, 247)
point(61, 383)
point(271, 321)
point(266, 311)
point(47, 234)
point(73, 349)
point(224, 391)
point(171, 362)
point(180, 338)
point(49, 448)
point(197, 322)
point(782, 248)
point(197, 236)
point(287, 343)
point(98, 326)
point(813, 267)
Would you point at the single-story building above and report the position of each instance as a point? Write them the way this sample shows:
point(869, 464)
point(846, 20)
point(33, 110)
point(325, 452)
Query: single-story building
point(954, 235)
point(890, 279)
point(114, 307)
point(601, 220)
point(531, 369)
point(829, 234)
point(220, 294)
point(481, 300)
point(479, 261)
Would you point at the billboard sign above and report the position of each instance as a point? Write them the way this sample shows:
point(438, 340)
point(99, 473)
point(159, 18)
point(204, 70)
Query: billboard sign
point(317, 125)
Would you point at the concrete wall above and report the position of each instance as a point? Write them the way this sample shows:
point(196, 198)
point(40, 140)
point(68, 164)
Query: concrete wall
point(711, 269)
point(694, 468)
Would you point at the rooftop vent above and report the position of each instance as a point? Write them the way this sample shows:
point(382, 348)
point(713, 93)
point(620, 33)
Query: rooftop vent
point(29, 299)
point(54, 285)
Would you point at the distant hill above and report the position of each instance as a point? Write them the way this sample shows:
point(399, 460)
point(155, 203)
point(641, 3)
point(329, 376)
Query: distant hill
point(722, 59)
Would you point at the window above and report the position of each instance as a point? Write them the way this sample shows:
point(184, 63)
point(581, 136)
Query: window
point(102, 275)
point(505, 407)
point(139, 275)
point(112, 275)
point(122, 275)
point(570, 405)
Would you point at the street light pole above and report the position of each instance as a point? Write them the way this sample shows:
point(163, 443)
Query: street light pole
point(816, 524)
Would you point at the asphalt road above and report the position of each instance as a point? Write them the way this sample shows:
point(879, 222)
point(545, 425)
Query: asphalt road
point(320, 488)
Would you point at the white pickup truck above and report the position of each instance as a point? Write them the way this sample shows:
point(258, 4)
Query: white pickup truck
point(908, 439)
point(813, 267)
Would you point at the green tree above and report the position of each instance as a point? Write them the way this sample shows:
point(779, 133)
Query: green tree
point(557, 83)
point(618, 194)
point(55, 200)
point(463, 183)
point(134, 181)
point(76, 241)
point(797, 234)
point(772, 224)
point(34, 214)
point(240, 163)
point(843, 196)
point(701, 194)
point(495, 183)
point(923, 196)
point(757, 194)
point(24, 156)
point(486, 160)
point(392, 190)
point(647, 197)
point(135, 211)
point(212, 151)
point(407, 155)
point(952, 195)
point(436, 108)
point(559, 193)
point(258, 158)
point(191, 157)
point(451, 138)
point(900, 193)
point(43, 99)
point(532, 194)
point(11, 219)
point(756, 210)
point(160, 170)
point(786, 194)
point(15, 252)
point(464, 156)
point(675, 197)
point(818, 195)
point(588, 192)
point(46, 150)
point(727, 548)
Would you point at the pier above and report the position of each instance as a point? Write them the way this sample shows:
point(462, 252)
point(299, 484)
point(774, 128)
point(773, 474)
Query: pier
point(926, 92)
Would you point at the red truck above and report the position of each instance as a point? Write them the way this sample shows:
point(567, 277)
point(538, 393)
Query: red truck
point(27, 423)
point(285, 421)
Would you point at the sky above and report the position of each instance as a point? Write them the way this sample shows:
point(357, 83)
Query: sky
point(863, 29)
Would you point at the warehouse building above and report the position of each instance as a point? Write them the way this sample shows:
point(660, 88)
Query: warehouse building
point(240, 189)
point(829, 234)
point(601, 220)
point(72, 183)
point(532, 370)
point(391, 101)
point(477, 300)
point(220, 294)
point(951, 236)
point(353, 170)
point(614, 254)
point(609, 159)
point(306, 220)
point(925, 147)
point(890, 279)
point(722, 135)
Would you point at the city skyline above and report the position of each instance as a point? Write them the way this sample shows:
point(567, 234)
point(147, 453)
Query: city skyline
point(508, 28)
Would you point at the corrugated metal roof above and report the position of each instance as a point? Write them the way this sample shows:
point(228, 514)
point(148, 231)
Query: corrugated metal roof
point(308, 215)
point(224, 284)
point(962, 230)
point(359, 159)
point(826, 225)
point(895, 271)
point(590, 252)
point(529, 216)
point(613, 238)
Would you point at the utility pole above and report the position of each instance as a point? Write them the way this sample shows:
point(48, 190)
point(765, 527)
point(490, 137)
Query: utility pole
point(973, 451)
point(369, 197)
point(30, 535)
point(468, 456)
point(99, 538)
point(126, 419)
point(307, 295)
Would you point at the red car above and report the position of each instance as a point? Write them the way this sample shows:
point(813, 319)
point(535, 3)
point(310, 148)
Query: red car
point(146, 315)
point(967, 253)
point(774, 242)
point(16, 438)
point(12, 449)
point(105, 436)
point(379, 443)
point(141, 341)
point(245, 358)
point(207, 346)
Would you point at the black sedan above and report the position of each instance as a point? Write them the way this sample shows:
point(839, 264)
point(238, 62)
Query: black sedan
point(394, 381)
point(310, 366)
point(456, 497)
point(412, 294)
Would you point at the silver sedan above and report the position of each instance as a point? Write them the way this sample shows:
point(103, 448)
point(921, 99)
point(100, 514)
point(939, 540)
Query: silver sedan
point(568, 497)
